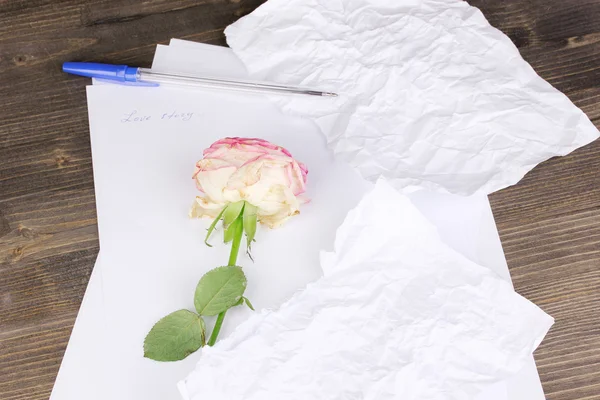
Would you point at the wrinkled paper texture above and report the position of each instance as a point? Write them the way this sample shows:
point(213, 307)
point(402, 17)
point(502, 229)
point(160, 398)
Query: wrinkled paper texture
point(431, 95)
point(398, 315)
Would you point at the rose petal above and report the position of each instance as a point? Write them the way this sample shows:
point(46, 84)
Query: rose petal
point(212, 182)
point(204, 208)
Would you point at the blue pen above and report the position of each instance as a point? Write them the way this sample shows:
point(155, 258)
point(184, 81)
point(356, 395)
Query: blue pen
point(146, 77)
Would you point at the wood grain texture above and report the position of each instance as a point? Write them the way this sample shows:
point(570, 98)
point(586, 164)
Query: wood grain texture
point(549, 223)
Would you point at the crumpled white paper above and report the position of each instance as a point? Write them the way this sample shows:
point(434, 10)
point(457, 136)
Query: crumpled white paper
point(398, 315)
point(431, 94)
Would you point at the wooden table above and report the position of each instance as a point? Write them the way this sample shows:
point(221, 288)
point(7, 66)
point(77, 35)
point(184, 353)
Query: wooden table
point(549, 223)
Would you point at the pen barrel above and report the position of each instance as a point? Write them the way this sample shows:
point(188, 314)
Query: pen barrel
point(147, 75)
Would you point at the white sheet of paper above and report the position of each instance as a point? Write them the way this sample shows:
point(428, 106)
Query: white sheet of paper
point(431, 95)
point(120, 292)
point(397, 315)
point(82, 371)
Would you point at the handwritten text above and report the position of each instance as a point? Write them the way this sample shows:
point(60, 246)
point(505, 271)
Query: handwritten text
point(135, 116)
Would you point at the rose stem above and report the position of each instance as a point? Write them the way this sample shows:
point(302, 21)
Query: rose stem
point(235, 248)
point(217, 328)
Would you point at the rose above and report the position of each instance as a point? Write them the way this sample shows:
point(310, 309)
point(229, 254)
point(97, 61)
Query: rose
point(242, 181)
point(253, 170)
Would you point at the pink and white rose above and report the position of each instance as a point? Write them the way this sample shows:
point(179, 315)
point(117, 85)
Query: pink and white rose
point(254, 170)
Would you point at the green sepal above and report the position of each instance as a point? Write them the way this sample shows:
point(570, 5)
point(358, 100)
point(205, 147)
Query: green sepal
point(250, 218)
point(231, 230)
point(212, 226)
point(232, 211)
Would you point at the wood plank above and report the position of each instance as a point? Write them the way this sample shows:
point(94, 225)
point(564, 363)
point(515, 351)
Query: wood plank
point(549, 223)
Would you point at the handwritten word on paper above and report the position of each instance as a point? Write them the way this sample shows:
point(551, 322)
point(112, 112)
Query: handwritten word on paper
point(135, 116)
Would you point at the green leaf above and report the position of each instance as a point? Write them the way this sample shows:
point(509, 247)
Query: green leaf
point(212, 226)
point(219, 289)
point(175, 336)
point(231, 230)
point(248, 303)
point(242, 301)
point(250, 222)
point(231, 213)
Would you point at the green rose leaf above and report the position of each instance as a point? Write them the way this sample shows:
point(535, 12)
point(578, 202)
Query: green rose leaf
point(248, 303)
point(219, 290)
point(212, 226)
point(250, 222)
point(231, 213)
point(242, 301)
point(175, 336)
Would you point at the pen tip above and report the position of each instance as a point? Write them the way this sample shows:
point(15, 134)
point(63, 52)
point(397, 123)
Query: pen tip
point(319, 93)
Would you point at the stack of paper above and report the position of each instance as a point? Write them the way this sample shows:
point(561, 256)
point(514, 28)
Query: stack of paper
point(152, 254)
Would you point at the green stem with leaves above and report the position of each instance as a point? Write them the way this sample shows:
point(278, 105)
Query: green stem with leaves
point(235, 248)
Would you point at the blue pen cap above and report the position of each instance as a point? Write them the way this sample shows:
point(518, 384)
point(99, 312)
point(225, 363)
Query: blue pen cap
point(118, 73)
